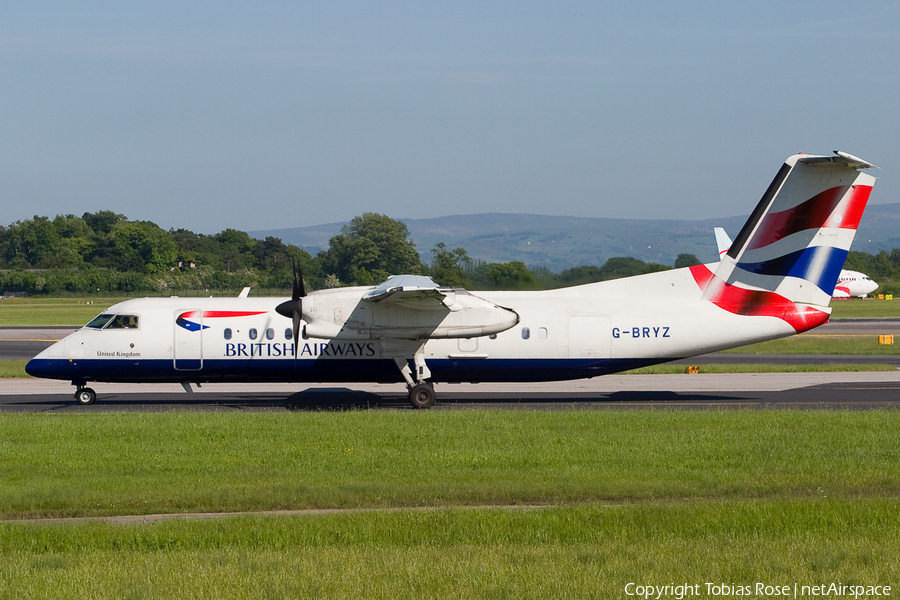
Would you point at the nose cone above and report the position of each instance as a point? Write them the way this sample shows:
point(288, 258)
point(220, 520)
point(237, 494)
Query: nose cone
point(50, 363)
point(870, 286)
point(46, 368)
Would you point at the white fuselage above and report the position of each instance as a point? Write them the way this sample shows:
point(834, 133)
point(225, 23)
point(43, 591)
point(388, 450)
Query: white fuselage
point(568, 333)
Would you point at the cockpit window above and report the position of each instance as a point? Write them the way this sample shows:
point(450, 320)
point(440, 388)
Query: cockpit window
point(99, 321)
point(124, 322)
point(107, 321)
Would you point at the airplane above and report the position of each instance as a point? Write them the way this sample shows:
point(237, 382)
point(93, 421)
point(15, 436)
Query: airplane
point(853, 284)
point(774, 281)
point(850, 284)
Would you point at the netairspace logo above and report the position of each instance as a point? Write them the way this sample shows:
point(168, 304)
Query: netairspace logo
point(756, 590)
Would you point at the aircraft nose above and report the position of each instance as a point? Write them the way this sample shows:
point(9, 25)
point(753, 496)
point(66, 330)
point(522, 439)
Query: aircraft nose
point(50, 363)
point(32, 367)
point(39, 367)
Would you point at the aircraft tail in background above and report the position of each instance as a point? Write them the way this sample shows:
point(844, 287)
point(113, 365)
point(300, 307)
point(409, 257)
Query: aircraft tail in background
point(723, 242)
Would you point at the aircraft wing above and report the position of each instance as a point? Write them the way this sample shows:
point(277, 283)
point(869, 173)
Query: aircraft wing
point(412, 291)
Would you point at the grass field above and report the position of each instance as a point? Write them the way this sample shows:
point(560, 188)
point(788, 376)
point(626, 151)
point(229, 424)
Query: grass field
point(821, 344)
point(31, 312)
point(869, 308)
point(120, 463)
point(590, 551)
point(13, 368)
point(655, 497)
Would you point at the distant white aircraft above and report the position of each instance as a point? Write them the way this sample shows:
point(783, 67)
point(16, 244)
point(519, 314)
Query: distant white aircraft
point(853, 284)
point(850, 284)
point(775, 280)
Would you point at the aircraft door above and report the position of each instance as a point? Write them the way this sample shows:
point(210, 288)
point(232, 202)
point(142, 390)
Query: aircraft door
point(187, 349)
point(589, 337)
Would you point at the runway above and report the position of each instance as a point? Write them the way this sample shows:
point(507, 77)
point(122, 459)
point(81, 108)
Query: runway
point(854, 391)
point(22, 343)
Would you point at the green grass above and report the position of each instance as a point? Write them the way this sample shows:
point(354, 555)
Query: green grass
point(635, 496)
point(30, 312)
point(588, 551)
point(821, 344)
point(110, 464)
point(869, 308)
point(12, 368)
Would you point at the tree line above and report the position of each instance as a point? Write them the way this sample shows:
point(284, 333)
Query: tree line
point(106, 252)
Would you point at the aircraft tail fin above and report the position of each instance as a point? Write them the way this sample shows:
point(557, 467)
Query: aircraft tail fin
point(790, 252)
point(722, 241)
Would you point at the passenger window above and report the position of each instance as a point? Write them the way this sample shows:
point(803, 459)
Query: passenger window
point(253, 334)
point(228, 333)
point(542, 333)
point(270, 334)
point(288, 334)
point(124, 322)
point(526, 333)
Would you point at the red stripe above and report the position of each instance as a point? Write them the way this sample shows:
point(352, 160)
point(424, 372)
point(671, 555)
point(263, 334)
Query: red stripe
point(755, 303)
point(213, 314)
point(856, 204)
point(231, 313)
point(816, 212)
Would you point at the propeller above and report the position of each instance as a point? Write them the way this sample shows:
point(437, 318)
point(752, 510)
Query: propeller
point(293, 308)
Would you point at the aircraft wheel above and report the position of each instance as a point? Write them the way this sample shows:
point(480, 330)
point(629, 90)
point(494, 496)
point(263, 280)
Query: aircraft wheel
point(85, 396)
point(422, 395)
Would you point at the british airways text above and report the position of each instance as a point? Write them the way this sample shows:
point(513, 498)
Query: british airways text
point(314, 349)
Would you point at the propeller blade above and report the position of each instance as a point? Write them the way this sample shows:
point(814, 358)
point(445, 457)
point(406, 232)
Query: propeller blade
point(293, 308)
point(296, 331)
point(298, 291)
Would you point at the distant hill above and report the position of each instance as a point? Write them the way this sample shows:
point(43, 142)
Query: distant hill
point(560, 243)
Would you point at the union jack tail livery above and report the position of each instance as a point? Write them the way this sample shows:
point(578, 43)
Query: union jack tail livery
point(788, 256)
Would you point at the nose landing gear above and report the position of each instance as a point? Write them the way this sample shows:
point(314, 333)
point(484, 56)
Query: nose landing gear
point(84, 395)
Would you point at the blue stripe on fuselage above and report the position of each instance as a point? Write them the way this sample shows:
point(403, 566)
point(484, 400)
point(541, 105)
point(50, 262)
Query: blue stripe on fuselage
point(321, 371)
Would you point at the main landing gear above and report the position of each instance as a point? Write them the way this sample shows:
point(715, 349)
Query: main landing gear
point(85, 395)
point(421, 391)
point(422, 395)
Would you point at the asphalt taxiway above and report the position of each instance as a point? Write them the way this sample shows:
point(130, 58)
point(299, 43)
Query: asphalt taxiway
point(855, 391)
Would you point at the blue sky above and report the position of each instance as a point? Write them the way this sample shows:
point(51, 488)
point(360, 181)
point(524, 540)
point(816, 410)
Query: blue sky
point(208, 115)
